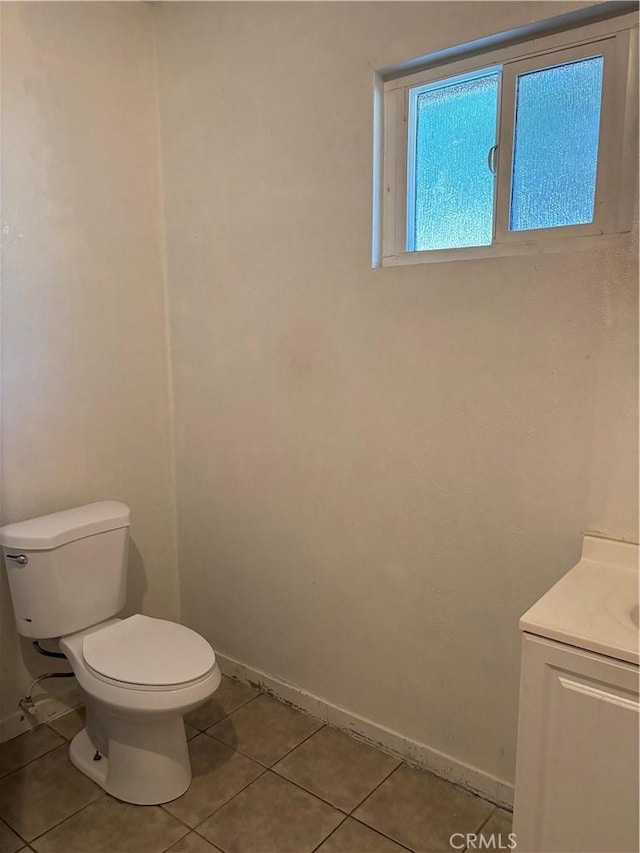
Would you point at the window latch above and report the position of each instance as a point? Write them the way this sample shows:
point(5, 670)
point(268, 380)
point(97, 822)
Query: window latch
point(491, 159)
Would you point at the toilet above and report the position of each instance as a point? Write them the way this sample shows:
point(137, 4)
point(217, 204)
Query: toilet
point(138, 676)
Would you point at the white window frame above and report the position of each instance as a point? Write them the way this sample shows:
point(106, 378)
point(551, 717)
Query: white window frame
point(617, 40)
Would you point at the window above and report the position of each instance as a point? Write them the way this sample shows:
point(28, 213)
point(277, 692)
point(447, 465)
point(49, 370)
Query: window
point(450, 178)
point(529, 147)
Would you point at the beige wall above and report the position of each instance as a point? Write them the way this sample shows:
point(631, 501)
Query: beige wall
point(378, 471)
point(85, 391)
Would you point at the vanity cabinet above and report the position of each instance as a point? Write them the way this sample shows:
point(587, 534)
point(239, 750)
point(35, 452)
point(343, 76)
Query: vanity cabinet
point(577, 766)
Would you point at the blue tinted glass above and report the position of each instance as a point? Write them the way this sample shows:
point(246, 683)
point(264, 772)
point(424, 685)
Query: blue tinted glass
point(455, 129)
point(556, 145)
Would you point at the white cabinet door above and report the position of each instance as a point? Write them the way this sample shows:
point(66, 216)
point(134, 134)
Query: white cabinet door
point(577, 764)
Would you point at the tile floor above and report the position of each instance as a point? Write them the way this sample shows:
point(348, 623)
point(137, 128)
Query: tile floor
point(266, 779)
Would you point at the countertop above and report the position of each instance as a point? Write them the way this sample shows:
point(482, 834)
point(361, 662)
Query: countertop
point(595, 605)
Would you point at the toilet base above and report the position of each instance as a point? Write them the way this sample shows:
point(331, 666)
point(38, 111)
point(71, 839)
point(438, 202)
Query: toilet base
point(81, 754)
point(147, 763)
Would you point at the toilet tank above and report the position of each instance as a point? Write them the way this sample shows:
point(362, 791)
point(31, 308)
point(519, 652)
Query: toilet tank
point(67, 570)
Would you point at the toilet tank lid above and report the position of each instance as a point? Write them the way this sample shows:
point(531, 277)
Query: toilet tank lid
point(58, 528)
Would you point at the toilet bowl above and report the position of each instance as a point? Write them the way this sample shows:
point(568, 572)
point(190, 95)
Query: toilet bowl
point(138, 676)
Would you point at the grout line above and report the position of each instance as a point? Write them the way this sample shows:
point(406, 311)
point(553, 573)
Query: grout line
point(296, 784)
point(384, 834)
point(186, 826)
point(200, 835)
point(222, 805)
point(235, 749)
point(314, 794)
point(247, 702)
point(319, 796)
point(256, 760)
point(311, 793)
point(333, 832)
point(486, 820)
point(15, 832)
point(65, 742)
point(175, 817)
point(395, 840)
point(379, 785)
point(457, 785)
point(282, 757)
point(265, 769)
point(73, 814)
point(373, 790)
point(293, 748)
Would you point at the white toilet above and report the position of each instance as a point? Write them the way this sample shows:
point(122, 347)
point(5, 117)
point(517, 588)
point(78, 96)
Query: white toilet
point(139, 676)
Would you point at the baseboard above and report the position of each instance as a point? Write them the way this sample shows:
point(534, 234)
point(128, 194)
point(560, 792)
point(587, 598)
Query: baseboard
point(413, 752)
point(45, 709)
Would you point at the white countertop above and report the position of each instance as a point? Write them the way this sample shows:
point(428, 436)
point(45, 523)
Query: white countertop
point(595, 605)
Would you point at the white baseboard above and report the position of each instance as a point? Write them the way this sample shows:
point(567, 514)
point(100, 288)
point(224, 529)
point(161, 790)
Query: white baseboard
point(45, 709)
point(413, 752)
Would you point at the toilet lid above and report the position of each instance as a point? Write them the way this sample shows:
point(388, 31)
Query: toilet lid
point(146, 651)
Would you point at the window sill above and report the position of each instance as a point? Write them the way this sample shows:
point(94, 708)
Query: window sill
point(505, 250)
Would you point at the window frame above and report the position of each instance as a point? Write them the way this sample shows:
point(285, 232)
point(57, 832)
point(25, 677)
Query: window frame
point(614, 38)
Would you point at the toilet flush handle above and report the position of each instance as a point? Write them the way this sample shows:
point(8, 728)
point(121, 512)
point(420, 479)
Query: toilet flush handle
point(19, 558)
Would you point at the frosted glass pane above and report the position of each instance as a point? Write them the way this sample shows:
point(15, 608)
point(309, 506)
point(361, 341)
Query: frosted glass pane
point(556, 145)
point(455, 128)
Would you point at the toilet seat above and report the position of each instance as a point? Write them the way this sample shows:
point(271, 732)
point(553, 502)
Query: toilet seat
point(143, 653)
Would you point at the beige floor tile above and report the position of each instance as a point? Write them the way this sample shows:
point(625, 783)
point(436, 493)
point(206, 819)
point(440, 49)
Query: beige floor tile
point(190, 731)
point(499, 824)
point(230, 696)
point(110, 826)
point(421, 811)
point(265, 730)
point(271, 816)
point(44, 792)
point(218, 774)
point(20, 750)
point(9, 841)
point(193, 843)
point(337, 767)
point(70, 724)
point(354, 837)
